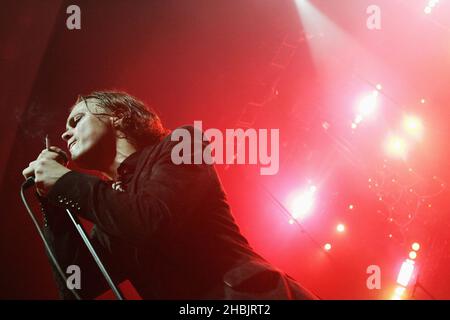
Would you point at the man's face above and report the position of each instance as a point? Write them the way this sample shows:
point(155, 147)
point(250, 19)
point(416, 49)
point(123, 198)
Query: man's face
point(90, 138)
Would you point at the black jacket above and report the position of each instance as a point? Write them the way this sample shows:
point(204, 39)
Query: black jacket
point(169, 231)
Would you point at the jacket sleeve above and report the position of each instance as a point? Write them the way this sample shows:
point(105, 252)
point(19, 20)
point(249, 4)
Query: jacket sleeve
point(166, 197)
point(69, 249)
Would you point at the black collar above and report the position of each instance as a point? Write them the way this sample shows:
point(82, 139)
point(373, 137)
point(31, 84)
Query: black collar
point(128, 166)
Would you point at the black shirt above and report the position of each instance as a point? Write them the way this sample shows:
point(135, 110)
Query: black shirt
point(169, 231)
point(126, 171)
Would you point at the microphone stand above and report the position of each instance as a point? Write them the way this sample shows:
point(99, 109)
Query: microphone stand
point(30, 182)
point(94, 254)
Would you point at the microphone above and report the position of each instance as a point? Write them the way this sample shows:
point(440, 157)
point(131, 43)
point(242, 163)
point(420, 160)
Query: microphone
point(30, 180)
point(28, 183)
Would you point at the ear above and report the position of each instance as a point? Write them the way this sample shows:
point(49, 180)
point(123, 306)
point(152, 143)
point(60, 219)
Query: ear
point(116, 122)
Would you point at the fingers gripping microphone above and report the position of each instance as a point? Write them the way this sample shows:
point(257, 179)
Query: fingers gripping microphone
point(28, 183)
point(30, 180)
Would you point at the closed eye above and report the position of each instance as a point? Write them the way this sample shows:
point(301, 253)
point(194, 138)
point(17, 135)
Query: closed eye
point(77, 119)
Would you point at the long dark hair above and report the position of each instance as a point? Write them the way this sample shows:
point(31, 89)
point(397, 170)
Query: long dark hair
point(140, 124)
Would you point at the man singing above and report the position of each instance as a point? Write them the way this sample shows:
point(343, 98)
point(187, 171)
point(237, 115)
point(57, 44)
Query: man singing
point(167, 228)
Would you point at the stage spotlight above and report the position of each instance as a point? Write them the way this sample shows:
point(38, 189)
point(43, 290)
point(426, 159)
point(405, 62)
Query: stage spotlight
point(406, 272)
point(301, 204)
point(340, 227)
point(430, 6)
point(327, 247)
point(432, 3)
point(412, 255)
point(379, 87)
point(413, 126)
point(396, 147)
point(368, 104)
point(415, 246)
point(366, 108)
point(398, 293)
point(358, 119)
point(399, 290)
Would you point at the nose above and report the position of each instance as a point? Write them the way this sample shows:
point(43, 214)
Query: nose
point(67, 135)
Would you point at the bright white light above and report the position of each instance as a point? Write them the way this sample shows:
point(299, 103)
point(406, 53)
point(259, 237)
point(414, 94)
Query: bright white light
point(325, 125)
point(427, 10)
point(398, 293)
point(412, 123)
point(406, 272)
point(412, 255)
point(324, 36)
point(379, 87)
point(413, 126)
point(396, 147)
point(351, 207)
point(433, 3)
point(340, 227)
point(327, 247)
point(415, 246)
point(301, 204)
point(368, 104)
point(358, 119)
point(366, 108)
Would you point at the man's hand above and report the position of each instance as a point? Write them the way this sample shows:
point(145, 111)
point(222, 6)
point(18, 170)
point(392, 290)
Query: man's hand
point(46, 169)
